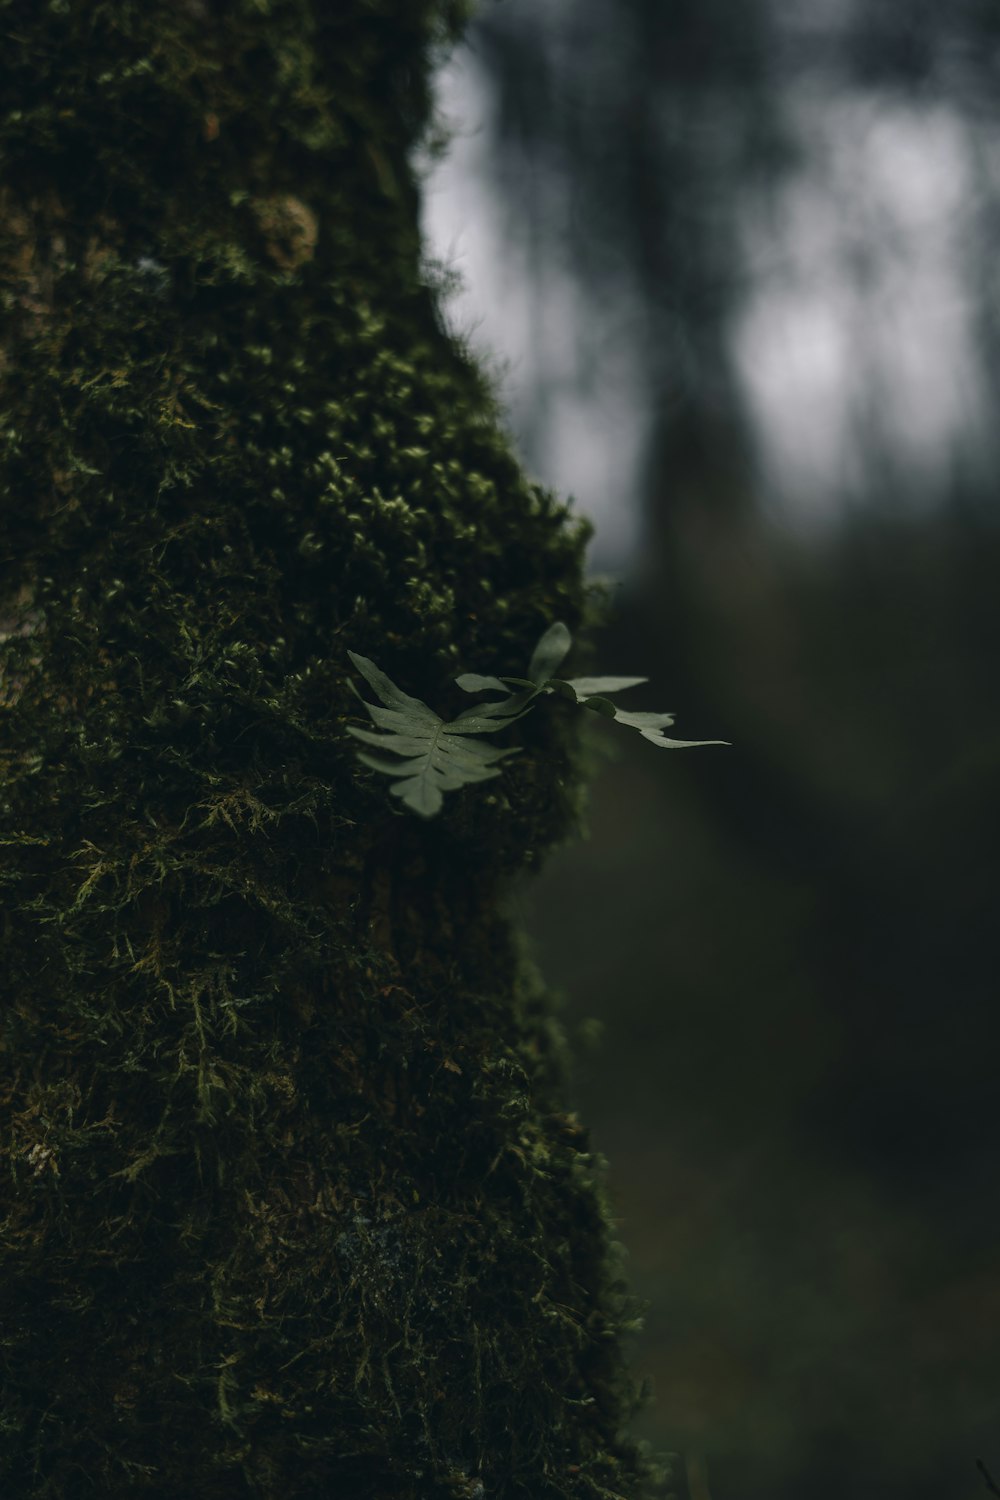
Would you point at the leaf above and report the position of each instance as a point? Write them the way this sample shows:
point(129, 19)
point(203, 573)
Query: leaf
point(649, 725)
point(508, 707)
point(524, 682)
point(387, 690)
point(474, 682)
point(656, 738)
point(549, 652)
point(603, 706)
point(586, 687)
point(440, 757)
point(643, 720)
point(589, 691)
point(561, 689)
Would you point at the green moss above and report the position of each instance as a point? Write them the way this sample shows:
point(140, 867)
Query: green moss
point(290, 1201)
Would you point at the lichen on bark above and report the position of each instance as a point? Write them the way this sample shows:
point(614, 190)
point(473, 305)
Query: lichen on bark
point(291, 1201)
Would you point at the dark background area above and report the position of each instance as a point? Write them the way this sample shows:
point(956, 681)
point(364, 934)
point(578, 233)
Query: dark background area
point(772, 232)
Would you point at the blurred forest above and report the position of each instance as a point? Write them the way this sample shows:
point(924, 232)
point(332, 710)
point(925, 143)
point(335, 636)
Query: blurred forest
point(763, 234)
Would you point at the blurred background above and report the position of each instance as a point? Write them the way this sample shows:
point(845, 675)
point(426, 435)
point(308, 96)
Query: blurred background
point(736, 265)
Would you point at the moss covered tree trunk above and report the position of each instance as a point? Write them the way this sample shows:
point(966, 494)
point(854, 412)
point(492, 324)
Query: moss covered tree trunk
point(291, 1206)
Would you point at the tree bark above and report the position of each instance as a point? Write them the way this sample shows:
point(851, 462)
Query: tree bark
point(291, 1201)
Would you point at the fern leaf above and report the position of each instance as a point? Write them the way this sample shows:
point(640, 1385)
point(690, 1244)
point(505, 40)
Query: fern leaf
point(475, 682)
point(587, 687)
point(549, 652)
point(440, 757)
point(591, 692)
point(649, 725)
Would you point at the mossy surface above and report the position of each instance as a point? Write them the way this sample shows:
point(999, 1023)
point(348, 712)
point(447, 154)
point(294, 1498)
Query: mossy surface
point(291, 1203)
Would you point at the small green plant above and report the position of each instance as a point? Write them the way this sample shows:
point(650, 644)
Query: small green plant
point(441, 757)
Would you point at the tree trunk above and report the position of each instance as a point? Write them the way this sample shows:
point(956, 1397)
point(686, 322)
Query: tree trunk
point(291, 1203)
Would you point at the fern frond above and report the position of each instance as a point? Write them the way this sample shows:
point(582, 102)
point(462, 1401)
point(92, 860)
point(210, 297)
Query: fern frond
point(590, 692)
point(440, 757)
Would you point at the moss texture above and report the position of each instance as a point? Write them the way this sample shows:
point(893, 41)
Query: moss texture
point(291, 1203)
